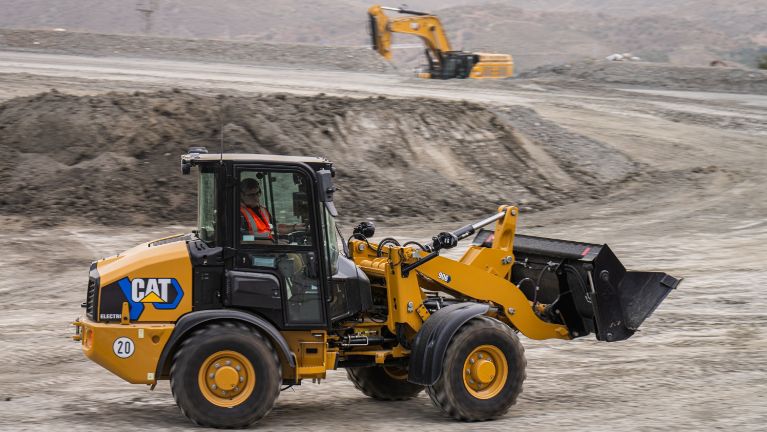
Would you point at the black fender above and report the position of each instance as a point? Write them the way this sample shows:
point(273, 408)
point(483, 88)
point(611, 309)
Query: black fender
point(430, 344)
point(192, 320)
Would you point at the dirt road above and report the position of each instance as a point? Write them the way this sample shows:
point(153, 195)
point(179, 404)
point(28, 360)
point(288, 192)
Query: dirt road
point(696, 210)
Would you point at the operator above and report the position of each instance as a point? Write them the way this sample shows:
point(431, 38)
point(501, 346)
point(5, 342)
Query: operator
point(255, 217)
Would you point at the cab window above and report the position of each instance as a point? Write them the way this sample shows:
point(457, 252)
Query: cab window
point(274, 208)
point(206, 207)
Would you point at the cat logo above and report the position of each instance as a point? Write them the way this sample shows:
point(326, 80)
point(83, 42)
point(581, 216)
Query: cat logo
point(149, 290)
point(161, 293)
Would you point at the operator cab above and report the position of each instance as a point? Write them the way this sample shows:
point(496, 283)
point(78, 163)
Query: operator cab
point(270, 222)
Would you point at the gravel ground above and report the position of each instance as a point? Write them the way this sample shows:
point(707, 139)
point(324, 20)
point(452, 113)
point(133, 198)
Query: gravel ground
point(657, 75)
point(287, 55)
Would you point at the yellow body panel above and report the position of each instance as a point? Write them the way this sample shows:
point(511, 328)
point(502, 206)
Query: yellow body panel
point(312, 356)
point(169, 261)
point(493, 70)
point(101, 343)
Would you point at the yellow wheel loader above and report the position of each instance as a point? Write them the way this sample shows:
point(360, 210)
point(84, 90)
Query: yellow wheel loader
point(443, 61)
point(229, 314)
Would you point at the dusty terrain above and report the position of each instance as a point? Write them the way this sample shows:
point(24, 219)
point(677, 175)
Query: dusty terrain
point(672, 180)
point(536, 32)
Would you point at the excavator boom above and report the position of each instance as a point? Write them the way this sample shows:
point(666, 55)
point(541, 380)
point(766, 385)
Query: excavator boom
point(421, 24)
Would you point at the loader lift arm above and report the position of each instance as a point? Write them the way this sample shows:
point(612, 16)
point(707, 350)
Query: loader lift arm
point(479, 268)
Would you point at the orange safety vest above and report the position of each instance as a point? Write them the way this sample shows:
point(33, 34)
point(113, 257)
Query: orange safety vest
point(258, 221)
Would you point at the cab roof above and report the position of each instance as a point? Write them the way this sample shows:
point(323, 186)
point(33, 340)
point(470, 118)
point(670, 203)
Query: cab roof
point(251, 157)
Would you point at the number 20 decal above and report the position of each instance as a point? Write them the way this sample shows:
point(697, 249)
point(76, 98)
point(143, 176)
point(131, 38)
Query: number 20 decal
point(444, 276)
point(123, 347)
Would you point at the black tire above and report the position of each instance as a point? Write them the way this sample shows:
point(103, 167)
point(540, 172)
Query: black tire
point(383, 383)
point(205, 343)
point(450, 393)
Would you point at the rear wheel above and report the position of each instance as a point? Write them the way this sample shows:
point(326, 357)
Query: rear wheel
point(482, 372)
point(225, 375)
point(387, 383)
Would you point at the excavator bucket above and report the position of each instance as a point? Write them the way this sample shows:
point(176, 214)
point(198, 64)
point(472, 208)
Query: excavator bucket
point(373, 30)
point(584, 285)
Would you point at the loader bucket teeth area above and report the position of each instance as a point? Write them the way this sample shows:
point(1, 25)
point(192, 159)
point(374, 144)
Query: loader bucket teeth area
point(585, 285)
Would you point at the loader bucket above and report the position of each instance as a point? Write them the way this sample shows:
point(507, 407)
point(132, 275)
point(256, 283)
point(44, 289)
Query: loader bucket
point(584, 285)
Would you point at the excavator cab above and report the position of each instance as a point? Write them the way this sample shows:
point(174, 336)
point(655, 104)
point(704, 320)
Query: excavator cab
point(453, 64)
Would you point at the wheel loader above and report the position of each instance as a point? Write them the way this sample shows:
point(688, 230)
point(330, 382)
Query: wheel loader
point(443, 61)
point(231, 316)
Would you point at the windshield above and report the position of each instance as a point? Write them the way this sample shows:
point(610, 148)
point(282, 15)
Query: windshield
point(206, 207)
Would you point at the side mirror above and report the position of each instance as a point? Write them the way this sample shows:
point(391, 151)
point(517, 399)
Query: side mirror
point(327, 189)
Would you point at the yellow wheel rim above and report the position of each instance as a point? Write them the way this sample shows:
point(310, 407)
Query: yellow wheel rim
point(226, 378)
point(485, 371)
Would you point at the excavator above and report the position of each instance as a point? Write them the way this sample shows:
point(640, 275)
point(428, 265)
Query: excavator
point(443, 61)
point(231, 315)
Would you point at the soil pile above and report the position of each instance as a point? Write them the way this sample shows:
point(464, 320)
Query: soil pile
point(114, 158)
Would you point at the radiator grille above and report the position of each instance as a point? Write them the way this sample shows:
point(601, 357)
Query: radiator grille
point(91, 302)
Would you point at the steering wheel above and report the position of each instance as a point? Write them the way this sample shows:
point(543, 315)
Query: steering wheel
point(298, 237)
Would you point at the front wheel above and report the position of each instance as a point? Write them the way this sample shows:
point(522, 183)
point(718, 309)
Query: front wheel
point(482, 372)
point(225, 375)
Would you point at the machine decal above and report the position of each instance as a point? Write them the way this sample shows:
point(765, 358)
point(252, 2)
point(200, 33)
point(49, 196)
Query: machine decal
point(162, 293)
point(123, 347)
point(444, 277)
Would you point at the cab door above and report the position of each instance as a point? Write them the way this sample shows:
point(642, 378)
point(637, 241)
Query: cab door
point(276, 271)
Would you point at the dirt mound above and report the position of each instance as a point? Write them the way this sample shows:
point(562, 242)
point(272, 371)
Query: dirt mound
point(658, 75)
point(114, 158)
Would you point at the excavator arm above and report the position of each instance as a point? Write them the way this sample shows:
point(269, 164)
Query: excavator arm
point(421, 24)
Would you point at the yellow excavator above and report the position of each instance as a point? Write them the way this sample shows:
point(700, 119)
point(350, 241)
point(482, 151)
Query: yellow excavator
point(443, 62)
point(230, 314)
